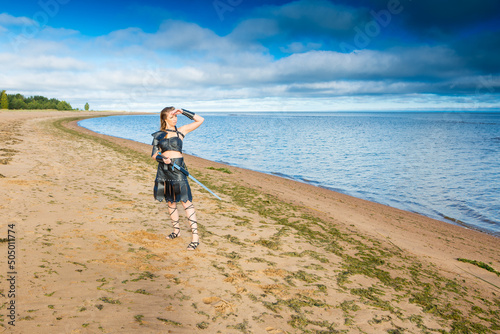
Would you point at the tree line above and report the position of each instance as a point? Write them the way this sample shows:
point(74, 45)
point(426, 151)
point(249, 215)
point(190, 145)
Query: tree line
point(18, 101)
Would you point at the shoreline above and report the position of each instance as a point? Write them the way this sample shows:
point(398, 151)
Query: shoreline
point(276, 256)
point(439, 216)
point(263, 180)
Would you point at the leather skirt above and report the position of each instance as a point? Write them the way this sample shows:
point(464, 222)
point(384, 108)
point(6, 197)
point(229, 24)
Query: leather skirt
point(171, 184)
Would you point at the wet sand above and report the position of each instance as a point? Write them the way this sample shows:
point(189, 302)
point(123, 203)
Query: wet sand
point(276, 256)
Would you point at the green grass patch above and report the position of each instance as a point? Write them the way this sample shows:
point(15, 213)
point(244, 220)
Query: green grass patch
point(202, 325)
point(234, 240)
point(110, 301)
point(305, 277)
point(371, 297)
point(78, 264)
point(170, 322)
point(268, 243)
point(138, 318)
point(480, 265)
point(222, 169)
point(233, 255)
point(140, 291)
point(144, 276)
point(301, 322)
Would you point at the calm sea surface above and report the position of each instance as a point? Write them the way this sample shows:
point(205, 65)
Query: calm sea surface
point(442, 165)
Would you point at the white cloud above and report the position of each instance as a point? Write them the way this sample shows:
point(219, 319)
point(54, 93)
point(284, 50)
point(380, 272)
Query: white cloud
point(184, 63)
point(185, 37)
point(122, 38)
point(9, 20)
point(49, 33)
point(44, 63)
point(299, 47)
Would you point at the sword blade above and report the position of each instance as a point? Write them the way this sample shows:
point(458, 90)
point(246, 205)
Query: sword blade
point(195, 180)
point(204, 187)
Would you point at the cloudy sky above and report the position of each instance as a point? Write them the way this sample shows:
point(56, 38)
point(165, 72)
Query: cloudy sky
point(242, 55)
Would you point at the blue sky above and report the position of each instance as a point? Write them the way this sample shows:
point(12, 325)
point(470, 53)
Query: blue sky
point(243, 55)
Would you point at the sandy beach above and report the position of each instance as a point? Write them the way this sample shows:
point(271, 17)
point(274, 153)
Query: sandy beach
point(276, 256)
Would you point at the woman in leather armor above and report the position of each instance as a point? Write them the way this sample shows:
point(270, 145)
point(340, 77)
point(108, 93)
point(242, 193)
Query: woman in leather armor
point(171, 184)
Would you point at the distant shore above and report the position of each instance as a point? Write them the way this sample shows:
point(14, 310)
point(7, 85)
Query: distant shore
point(276, 255)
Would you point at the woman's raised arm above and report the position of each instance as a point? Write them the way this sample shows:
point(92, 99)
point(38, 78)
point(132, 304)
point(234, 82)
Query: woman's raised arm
point(197, 121)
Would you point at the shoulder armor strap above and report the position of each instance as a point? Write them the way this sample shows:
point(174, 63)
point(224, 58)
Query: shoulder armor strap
point(176, 131)
point(179, 133)
point(159, 135)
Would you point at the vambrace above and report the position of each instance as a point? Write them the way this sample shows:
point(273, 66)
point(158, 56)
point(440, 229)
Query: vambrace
point(188, 114)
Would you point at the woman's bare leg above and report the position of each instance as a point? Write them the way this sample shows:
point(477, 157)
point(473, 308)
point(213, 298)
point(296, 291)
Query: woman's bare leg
point(174, 215)
point(193, 223)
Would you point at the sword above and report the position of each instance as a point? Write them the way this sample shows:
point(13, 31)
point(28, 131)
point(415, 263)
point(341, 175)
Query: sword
point(185, 172)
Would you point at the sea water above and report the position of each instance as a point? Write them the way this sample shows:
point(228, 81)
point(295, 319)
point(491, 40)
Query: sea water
point(445, 165)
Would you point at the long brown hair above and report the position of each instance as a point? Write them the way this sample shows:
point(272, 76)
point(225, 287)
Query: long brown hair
point(163, 117)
